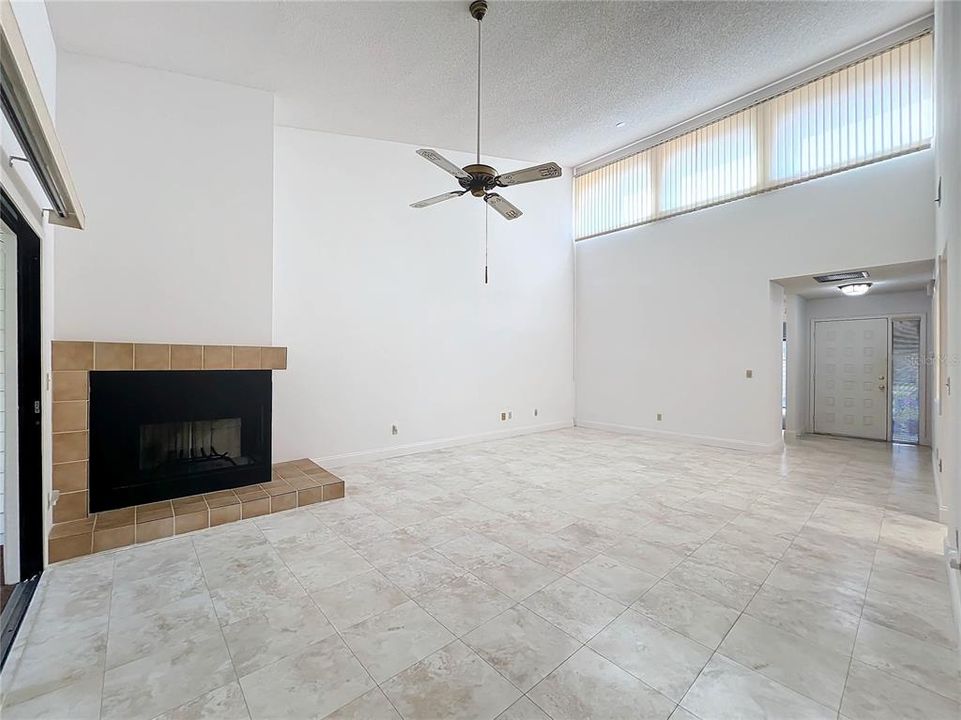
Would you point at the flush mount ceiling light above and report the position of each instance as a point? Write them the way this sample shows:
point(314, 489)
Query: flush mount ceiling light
point(855, 289)
point(479, 179)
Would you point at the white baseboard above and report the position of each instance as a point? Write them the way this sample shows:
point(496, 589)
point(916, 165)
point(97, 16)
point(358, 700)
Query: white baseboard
point(954, 588)
point(361, 456)
point(685, 438)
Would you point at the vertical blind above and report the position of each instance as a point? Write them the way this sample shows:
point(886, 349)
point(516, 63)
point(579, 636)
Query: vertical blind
point(874, 109)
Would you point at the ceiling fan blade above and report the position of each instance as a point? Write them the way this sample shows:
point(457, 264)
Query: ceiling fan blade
point(502, 206)
point(437, 198)
point(443, 163)
point(531, 174)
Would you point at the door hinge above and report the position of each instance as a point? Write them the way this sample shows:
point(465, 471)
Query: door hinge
point(36, 407)
point(938, 198)
point(947, 384)
point(940, 466)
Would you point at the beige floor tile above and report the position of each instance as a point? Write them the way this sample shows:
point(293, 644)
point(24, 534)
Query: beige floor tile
point(553, 552)
point(372, 705)
point(355, 532)
point(137, 563)
point(874, 695)
point(166, 679)
point(682, 714)
point(453, 682)
point(728, 588)
point(590, 535)
point(558, 498)
point(81, 697)
point(133, 636)
point(911, 604)
point(574, 608)
point(812, 586)
point(931, 666)
point(523, 709)
point(736, 559)
point(224, 702)
point(819, 624)
point(223, 567)
point(395, 639)
point(356, 599)
point(422, 572)
point(319, 570)
point(726, 690)
point(390, 547)
point(699, 618)
point(521, 646)
point(811, 670)
point(149, 593)
point(464, 603)
point(278, 630)
point(614, 579)
point(467, 550)
point(253, 594)
point(514, 574)
point(284, 526)
point(311, 684)
point(588, 686)
point(652, 559)
point(662, 658)
point(923, 563)
point(56, 662)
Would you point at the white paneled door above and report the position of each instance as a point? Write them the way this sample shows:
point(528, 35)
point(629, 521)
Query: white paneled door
point(851, 378)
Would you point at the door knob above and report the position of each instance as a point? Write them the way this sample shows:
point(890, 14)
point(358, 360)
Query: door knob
point(882, 387)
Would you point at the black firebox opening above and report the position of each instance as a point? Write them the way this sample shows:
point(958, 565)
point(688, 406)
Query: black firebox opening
point(157, 435)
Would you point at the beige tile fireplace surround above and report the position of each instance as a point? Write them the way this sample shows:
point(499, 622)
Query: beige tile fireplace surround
point(77, 532)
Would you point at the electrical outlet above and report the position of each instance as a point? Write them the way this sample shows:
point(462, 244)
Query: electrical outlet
point(748, 374)
point(510, 415)
point(393, 429)
point(535, 412)
point(659, 417)
point(503, 416)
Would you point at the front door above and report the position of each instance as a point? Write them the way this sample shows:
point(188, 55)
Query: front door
point(851, 378)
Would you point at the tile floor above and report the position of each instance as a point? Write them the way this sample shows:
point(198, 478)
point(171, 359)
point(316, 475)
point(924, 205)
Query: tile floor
point(570, 574)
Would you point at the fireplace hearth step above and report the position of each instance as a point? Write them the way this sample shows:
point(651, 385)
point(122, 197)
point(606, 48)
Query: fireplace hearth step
point(293, 484)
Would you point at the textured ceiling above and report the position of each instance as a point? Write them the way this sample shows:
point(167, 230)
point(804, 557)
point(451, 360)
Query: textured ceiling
point(558, 75)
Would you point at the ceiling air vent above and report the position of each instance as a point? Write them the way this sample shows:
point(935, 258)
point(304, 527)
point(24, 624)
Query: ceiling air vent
point(842, 276)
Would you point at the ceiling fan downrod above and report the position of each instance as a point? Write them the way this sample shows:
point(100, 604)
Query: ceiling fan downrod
point(478, 9)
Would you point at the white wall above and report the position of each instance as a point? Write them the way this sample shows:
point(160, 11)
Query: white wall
point(671, 314)
point(385, 312)
point(175, 176)
point(948, 240)
point(871, 305)
point(796, 413)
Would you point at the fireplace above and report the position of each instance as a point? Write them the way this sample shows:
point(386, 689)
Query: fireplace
point(158, 435)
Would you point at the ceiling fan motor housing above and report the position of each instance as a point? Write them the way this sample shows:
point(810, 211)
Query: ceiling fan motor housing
point(481, 179)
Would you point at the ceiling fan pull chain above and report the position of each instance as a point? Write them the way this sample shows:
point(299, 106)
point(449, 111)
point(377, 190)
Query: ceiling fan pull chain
point(487, 214)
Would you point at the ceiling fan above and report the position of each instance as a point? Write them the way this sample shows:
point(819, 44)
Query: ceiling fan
point(479, 179)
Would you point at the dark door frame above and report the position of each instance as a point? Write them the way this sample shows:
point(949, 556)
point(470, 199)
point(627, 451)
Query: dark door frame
point(29, 385)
